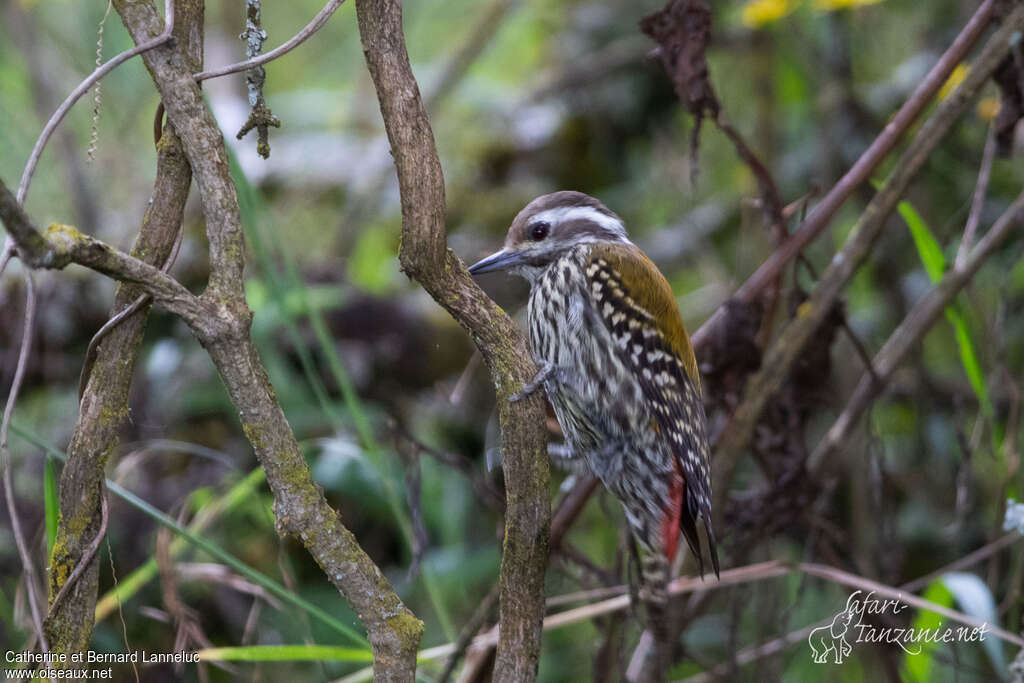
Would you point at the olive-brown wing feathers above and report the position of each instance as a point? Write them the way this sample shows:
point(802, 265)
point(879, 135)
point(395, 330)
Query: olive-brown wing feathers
point(637, 305)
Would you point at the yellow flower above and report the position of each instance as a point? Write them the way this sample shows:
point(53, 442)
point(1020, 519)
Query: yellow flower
point(988, 108)
point(760, 12)
point(832, 5)
point(954, 80)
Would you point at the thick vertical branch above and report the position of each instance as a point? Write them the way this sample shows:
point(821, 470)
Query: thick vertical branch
point(104, 405)
point(425, 257)
point(299, 504)
point(300, 509)
point(202, 142)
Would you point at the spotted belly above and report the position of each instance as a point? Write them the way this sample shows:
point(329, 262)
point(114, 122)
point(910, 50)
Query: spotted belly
point(597, 400)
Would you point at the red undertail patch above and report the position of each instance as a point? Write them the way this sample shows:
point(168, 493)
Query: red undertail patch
point(670, 523)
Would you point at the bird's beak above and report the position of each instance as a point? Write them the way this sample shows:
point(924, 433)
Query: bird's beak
point(502, 260)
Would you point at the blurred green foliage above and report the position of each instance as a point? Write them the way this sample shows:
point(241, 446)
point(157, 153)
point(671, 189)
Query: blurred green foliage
point(563, 96)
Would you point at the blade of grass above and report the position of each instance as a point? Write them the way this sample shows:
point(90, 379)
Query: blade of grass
point(209, 547)
point(928, 248)
point(365, 431)
point(930, 252)
point(284, 653)
point(51, 503)
point(131, 584)
point(918, 665)
point(252, 209)
point(290, 283)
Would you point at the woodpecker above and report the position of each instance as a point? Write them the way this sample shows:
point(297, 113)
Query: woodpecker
point(618, 368)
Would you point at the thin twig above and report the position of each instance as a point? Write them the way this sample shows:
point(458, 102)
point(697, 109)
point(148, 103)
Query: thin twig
point(410, 454)
point(298, 39)
point(800, 331)
point(771, 199)
point(978, 200)
point(968, 560)
point(12, 509)
point(823, 212)
point(476, 621)
point(852, 580)
point(90, 552)
point(6, 254)
point(120, 609)
point(914, 326)
point(570, 507)
point(860, 349)
point(82, 89)
point(484, 490)
point(126, 312)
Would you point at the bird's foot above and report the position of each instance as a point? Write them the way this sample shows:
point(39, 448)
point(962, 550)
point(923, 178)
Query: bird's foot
point(546, 368)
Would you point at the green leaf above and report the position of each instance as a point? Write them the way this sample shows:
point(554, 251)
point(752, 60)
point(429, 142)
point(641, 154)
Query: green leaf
point(930, 252)
point(285, 653)
point(969, 359)
point(919, 666)
point(51, 503)
point(928, 248)
point(973, 598)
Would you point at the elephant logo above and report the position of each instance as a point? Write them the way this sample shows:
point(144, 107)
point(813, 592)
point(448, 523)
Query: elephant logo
point(831, 639)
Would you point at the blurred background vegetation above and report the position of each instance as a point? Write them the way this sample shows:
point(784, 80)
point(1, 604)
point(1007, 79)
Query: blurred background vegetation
point(379, 382)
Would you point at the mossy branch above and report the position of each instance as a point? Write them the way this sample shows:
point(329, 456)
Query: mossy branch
point(425, 257)
point(221, 320)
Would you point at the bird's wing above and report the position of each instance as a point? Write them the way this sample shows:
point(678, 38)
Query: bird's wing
point(644, 321)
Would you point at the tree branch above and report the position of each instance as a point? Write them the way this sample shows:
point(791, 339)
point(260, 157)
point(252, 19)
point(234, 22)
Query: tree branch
point(204, 147)
point(64, 244)
point(425, 257)
point(779, 359)
point(104, 405)
point(823, 212)
point(914, 326)
point(298, 39)
point(24, 554)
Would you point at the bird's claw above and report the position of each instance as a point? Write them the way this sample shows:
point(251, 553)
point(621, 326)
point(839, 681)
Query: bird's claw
point(546, 368)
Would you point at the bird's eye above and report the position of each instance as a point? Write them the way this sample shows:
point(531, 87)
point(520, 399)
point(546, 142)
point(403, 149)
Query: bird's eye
point(539, 231)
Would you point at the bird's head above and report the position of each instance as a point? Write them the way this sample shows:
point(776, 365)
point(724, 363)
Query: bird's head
point(547, 228)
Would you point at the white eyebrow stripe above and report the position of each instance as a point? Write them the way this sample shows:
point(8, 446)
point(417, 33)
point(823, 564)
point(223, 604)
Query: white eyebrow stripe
point(564, 214)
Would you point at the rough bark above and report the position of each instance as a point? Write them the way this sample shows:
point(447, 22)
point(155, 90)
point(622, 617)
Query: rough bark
point(223, 329)
point(104, 404)
point(221, 320)
point(425, 257)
